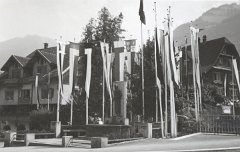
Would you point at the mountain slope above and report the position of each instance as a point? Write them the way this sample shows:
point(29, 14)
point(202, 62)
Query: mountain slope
point(22, 46)
point(223, 21)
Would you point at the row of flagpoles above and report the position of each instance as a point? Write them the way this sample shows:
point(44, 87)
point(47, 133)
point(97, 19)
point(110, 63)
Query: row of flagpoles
point(167, 73)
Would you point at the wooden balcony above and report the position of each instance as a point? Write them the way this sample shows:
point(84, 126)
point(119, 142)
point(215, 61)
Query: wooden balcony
point(14, 81)
point(24, 101)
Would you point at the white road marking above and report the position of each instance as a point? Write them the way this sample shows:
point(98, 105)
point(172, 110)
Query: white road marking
point(187, 136)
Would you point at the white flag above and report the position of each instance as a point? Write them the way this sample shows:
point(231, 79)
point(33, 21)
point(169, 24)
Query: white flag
point(236, 73)
point(88, 52)
point(106, 66)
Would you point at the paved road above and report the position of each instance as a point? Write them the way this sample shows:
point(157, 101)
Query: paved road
point(199, 142)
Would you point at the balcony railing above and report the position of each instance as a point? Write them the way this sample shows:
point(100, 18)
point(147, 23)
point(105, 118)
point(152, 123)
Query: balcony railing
point(24, 101)
point(10, 81)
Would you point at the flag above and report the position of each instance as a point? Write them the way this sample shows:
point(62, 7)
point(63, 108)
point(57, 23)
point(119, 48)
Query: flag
point(196, 70)
point(60, 59)
point(159, 76)
point(178, 57)
point(159, 67)
point(225, 84)
point(73, 65)
point(118, 48)
point(141, 12)
point(106, 63)
point(110, 59)
point(88, 52)
point(236, 73)
point(170, 72)
point(37, 92)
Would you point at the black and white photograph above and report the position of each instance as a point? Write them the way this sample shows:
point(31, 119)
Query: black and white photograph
point(120, 75)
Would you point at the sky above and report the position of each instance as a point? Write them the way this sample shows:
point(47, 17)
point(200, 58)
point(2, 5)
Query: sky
point(67, 18)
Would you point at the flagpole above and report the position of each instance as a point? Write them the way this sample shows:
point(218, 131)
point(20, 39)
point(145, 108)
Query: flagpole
point(233, 88)
point(71, 112)
point(103, 94)
point(166, 95)
point(156, 64)
point(186, 58)
point(143, 103)
point(86, 110)
point(48, 89)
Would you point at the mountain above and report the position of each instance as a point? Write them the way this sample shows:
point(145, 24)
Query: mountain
point(223, 21)
point(22, 46)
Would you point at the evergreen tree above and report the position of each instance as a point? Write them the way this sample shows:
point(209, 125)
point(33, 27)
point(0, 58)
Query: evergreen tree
point(105, 27)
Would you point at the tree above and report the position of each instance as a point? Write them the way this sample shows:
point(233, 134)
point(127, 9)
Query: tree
point(105, 27)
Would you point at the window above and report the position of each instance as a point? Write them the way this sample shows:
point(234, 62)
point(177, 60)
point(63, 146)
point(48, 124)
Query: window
point(44, 93)
point(226, 62)
point(9, 95)
point(235, 91)
point(25, 94)
point(217, 77)
point(220, 61)
point(15, 73)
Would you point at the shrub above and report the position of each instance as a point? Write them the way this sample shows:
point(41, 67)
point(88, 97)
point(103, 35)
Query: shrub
point(21, 127)
point(7, 128)
point(40, 119)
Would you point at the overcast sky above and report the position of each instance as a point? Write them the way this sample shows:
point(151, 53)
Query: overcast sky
point(67, 18)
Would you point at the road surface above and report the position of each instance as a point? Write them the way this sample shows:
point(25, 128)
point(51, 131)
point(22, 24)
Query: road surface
point(196, 142)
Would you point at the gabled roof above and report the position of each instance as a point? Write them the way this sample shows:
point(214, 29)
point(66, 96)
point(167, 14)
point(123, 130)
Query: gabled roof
point(209, 52)
point(50, 57)
point(22, 61)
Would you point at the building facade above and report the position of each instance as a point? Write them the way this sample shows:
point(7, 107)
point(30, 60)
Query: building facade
point(216, 65)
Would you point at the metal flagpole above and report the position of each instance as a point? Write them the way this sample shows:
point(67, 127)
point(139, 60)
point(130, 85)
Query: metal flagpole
point(86, 110)
point(233, 89)
point(48, 90)
point(166, 92)
point(143, 107)
point(71, 112)
point(156, 63)
point(103, 94)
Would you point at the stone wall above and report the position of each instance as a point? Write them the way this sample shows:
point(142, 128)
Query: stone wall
point(110, 131)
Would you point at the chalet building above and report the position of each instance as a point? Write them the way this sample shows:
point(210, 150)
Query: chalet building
point(17, 85)
point(17, 82)
point(216, 65)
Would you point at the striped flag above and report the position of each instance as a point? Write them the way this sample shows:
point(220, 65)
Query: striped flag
point(60, 58)
point(158, 59)
point(159, 77)
point(196, 70)
point(106, 63)
point(171, 72)
point(73, 65)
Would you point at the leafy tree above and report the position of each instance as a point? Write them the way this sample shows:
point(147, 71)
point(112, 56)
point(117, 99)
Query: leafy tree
point(105, 27)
